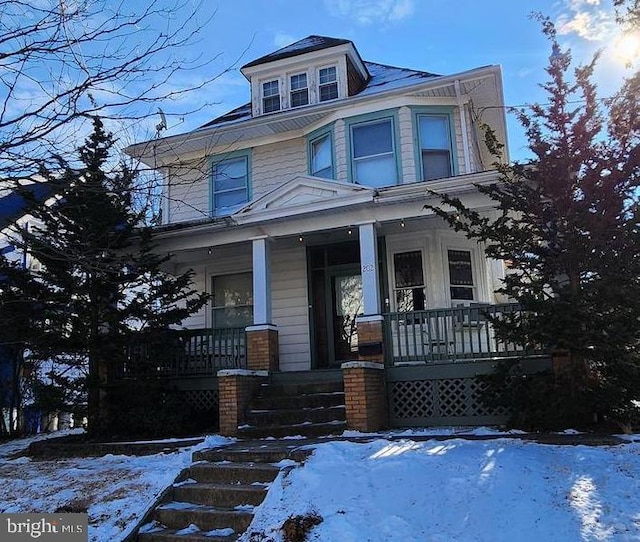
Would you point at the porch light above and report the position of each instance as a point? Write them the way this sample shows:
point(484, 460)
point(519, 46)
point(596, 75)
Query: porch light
point(349, 232)
point(209, 250)
point(402, 224)
point(300, 238)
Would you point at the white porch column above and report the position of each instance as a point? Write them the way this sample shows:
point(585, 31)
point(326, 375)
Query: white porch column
point(369, 267)
point(261, 281)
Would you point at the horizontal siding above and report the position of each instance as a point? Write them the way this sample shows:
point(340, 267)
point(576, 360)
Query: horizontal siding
point(406, 146)
point(277, 163)
point(290, 307)
point(188, 195)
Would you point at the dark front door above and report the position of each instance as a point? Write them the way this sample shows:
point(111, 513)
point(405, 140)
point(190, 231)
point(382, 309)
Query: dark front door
point(336, 300)
point(346, 305)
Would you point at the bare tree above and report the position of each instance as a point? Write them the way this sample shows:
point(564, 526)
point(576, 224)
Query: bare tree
point(63, 61)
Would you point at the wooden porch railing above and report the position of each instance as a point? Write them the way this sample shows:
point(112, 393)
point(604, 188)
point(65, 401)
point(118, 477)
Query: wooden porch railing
point(186, 353)
point(448, 335)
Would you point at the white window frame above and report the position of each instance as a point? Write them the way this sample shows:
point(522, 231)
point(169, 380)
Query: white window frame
point(475, 288)
point(264, 97)
point(394, 286)
point(320, 85)
point(291, 90)
point(214, 307)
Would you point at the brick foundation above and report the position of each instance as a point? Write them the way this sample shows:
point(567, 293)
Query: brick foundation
point(236, 388)
point(262, 348)
point(371, 339)
point(365, 396)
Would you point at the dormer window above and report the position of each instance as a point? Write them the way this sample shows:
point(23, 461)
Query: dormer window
point(327, 84)
point(299, 90)
point(270, 96)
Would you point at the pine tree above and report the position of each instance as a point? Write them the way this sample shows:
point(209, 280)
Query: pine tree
point(567, 226)
point(102, 277)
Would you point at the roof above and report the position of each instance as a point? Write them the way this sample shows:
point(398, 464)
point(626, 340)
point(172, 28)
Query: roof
point(383, 78)
point(306, 45)
point(17, 204)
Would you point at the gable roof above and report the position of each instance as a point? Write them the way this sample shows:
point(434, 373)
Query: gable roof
point(17, 203)
point(383, 78)
point(306, 45)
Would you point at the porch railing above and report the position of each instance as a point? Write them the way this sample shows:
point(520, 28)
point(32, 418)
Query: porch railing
point(451, 334)
point(186, 353)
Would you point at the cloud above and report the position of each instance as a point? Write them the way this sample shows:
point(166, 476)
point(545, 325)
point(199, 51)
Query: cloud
point(282, 39)
point(366, 12)
point(587, 20)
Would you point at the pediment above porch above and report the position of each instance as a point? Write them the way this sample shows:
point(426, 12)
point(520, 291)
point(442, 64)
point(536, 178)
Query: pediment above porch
point(303, 194)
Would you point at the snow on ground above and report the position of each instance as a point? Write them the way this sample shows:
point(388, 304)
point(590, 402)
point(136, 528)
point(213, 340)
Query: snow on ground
point(428, 491)
point(115, 489)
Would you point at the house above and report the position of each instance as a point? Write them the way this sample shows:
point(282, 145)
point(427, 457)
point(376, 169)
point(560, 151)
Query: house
point(302, 213)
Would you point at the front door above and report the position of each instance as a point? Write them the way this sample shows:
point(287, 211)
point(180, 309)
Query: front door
point(346, 305)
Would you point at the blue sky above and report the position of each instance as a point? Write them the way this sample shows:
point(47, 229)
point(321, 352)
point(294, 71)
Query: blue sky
point(440, 36)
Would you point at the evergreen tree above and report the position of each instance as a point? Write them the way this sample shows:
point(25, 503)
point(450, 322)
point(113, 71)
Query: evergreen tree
point(567, 226)
point(103, 280)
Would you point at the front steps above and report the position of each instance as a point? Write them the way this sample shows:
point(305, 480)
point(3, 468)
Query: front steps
point(215, 498)
point(297, 404)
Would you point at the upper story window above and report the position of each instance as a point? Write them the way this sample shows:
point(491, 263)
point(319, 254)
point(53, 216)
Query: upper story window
point(270, 96)
point(461, 283)
point(436, 157)
point(299, 90)
point(327, 84)
point(373, 154)
point(230, 184)
point(321, 156)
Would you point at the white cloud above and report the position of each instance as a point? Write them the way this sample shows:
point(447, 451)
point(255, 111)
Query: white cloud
point(587, 20)
point(282, 39)
point(366, 12)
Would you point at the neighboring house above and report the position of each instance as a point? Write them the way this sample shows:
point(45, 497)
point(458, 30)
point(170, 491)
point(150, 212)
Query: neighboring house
point(302, 213)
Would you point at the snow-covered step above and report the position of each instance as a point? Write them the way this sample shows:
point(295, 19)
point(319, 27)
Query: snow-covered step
point(220, 495)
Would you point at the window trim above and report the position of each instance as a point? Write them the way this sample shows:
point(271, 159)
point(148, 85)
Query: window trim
point(373, 118)
point(219, 158)
point(263, 97)
point(392, 275)
point(315, 136)
point(319, 85)
point(439, 111)
point(473, 254)
point(213, 307)
point(290, 90)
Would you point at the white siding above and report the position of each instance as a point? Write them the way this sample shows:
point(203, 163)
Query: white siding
point(189, 192)
point(340, 151)
point(406, 146)
point(277, 163)
point(290, 306)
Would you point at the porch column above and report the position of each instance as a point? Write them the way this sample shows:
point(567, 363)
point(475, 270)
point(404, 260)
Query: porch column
point(370, 325)
point(365, 395)
point(369, 265)
point(262, 336)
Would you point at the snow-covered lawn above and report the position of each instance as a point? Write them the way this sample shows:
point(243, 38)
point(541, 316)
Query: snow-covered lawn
point(461, 490)
point(115, 489)
point(401, 490)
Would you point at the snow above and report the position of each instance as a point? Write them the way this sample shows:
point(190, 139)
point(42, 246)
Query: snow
point(502, 489)
point(116, 490)
point(397, 486)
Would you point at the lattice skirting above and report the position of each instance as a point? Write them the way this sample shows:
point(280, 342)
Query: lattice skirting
point(202, 400)
point(440, 401)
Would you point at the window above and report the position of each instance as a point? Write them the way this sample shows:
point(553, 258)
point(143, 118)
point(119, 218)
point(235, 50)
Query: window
point(321, 157)
point(232, 300)
point(435, 146)
point(270, 96)
point(460, 275)
point(230, 184)
point(299, 90)
point(373, 154)
point(327, 84)
point(409, 281)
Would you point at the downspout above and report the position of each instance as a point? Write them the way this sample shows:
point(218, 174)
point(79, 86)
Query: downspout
point(463, 127)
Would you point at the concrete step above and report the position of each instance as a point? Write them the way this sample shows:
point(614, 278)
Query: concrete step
point(300, 388)
point(306, 430)
point(177, 515)
point(261, 418)
point(232, 473)
point(220, 495)
point(170, 535)
point(274, 401)
point(251, 455)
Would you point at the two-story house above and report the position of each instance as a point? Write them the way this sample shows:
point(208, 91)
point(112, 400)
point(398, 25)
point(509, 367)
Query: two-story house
point(302, 213)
